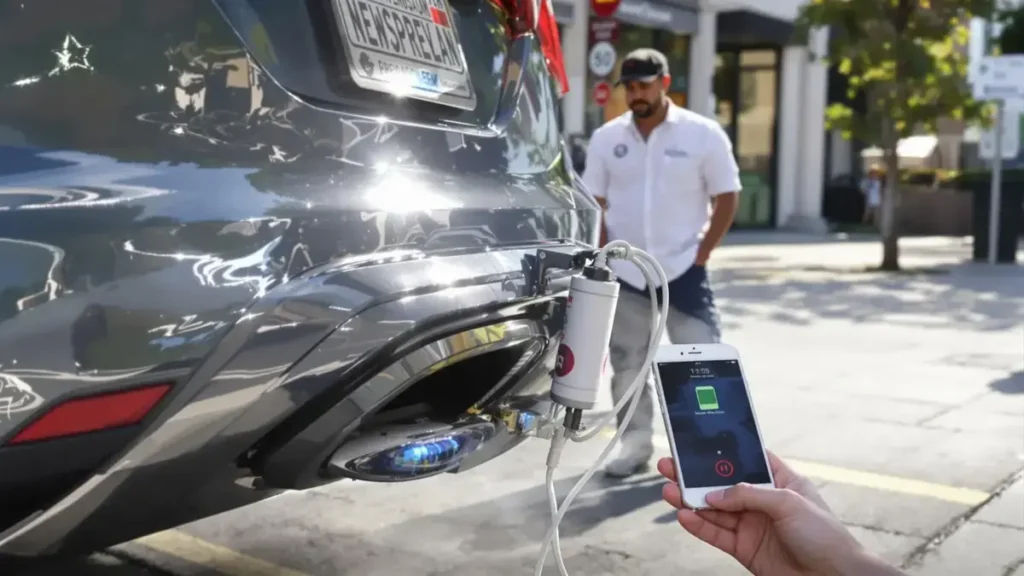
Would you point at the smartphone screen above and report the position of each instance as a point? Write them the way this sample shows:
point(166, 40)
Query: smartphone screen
point(712, 424)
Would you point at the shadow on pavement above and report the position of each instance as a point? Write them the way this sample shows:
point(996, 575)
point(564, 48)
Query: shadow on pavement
point(965, 296)
point(1012, 384)
point(521, 519)
point(500, 535)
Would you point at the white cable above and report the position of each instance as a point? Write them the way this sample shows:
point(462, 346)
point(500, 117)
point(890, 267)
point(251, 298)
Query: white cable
point(645, 262)
point(658, 322)
point(553, 506)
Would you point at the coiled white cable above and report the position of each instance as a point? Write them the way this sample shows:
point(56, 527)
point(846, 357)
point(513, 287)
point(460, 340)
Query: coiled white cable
point(645, 262)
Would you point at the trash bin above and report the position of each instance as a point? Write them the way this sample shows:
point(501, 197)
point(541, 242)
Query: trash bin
point(1011, 219)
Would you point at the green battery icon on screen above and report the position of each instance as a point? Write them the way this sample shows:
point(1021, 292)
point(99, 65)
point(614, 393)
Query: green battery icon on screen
point(707, 399)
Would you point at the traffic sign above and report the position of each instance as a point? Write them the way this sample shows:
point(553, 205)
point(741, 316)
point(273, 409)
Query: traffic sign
point(604, 8)
point(603, 30)
point(602, 59)
point(1010, 131)
point(602, 93)
point(999, 77)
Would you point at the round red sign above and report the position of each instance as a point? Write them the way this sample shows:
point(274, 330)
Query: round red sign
point(602, 93)
point(604, 8)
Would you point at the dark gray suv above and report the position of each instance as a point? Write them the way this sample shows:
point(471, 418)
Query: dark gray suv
point(258, 245)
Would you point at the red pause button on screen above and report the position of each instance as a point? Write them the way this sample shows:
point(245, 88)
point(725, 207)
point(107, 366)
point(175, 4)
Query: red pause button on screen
point(724, 468)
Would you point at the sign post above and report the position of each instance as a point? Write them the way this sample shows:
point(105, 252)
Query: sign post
point(999, 78)
point(995, 196)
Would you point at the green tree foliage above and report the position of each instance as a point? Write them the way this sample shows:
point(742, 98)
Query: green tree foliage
point(909, 60)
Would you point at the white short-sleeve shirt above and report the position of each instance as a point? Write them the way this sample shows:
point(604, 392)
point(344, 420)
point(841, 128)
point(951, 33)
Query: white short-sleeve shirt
point(658, 191)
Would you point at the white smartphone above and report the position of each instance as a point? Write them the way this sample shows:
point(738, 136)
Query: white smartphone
point(712, 429)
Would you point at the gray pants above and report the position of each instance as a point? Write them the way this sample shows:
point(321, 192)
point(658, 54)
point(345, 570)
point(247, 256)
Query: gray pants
point(628, 347)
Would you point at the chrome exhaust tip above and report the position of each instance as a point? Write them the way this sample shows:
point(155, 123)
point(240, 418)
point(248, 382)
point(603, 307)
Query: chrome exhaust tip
point(409, 452)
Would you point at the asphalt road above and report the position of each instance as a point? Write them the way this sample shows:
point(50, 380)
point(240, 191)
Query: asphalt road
point(902, 396)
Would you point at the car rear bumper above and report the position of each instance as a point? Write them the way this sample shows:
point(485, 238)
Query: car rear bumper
point(250, 421)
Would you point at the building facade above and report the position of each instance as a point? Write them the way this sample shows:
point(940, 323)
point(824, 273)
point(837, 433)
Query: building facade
point(733, 60)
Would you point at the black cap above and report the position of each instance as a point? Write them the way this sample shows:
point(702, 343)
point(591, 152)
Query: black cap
point(643, 65)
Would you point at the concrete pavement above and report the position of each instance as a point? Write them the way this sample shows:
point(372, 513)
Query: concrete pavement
point(902, 396)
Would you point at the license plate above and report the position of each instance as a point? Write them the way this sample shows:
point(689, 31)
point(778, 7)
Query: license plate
point(407, 48)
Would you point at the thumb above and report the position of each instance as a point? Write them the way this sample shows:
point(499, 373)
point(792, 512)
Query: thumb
point(774, 502)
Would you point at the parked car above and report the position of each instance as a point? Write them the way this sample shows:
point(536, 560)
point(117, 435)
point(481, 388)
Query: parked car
point(249, 246)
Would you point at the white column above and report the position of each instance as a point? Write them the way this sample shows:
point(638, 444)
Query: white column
point(812, 140)
point(789, 157)
point(703, 49)
point(574, 52)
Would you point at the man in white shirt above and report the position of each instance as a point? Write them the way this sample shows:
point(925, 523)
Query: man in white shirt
point(669, 184)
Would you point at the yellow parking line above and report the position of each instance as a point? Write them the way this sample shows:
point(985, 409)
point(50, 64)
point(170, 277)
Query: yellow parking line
point(224, 560)
point(863, 479)
point(954, 494)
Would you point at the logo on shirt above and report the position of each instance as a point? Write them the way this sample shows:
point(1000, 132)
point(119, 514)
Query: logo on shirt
point(620, 150)
point(676, 153)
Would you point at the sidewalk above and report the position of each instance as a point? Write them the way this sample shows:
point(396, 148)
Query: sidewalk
point(816, 294)
point(770, 249)
point(800, 279)
point(990, 541)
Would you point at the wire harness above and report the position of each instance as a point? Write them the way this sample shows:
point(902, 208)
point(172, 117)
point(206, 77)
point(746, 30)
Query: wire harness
point(571, 428)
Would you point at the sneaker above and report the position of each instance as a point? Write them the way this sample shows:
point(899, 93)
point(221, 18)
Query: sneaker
point(634, 457)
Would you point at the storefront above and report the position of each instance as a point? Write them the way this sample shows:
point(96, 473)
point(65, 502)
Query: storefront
point(746, 103)
point(644, 24)
point(746, 96)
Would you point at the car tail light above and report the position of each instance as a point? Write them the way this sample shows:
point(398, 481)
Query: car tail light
point(538, 16)
point(93, 413)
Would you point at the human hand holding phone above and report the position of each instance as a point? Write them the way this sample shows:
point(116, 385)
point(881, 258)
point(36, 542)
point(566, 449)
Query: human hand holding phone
point(782, 531)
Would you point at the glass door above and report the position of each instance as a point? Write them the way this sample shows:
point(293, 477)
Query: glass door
point(725, 92)
point(746, 89)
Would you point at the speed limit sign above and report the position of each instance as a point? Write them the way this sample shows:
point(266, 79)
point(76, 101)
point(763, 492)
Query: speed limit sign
point(602, 59)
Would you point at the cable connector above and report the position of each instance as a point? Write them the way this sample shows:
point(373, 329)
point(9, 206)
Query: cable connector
point(555, 451)
point(573, 420)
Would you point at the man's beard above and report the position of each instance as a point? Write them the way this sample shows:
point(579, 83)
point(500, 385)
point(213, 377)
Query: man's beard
point(643, 109)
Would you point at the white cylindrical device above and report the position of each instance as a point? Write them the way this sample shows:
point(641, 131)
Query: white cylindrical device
point(583, 352)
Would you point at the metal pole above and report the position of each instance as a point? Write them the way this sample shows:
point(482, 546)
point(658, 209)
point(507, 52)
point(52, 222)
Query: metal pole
point(997, 160)
point(997, 186)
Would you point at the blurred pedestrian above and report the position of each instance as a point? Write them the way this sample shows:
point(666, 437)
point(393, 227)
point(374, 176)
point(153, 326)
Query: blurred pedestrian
point(872, 187)
point(668, 183)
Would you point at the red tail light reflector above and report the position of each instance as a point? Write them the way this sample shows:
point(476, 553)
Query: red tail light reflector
point(93, 413)
point(551, 43)
point(538, 16)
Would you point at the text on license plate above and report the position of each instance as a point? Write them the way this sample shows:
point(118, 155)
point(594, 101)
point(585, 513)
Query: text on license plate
point(420, 31)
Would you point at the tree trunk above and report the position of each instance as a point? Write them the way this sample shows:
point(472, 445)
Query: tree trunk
point(890, 203)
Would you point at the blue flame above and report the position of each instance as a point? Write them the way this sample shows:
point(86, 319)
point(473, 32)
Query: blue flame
point(423, 456)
